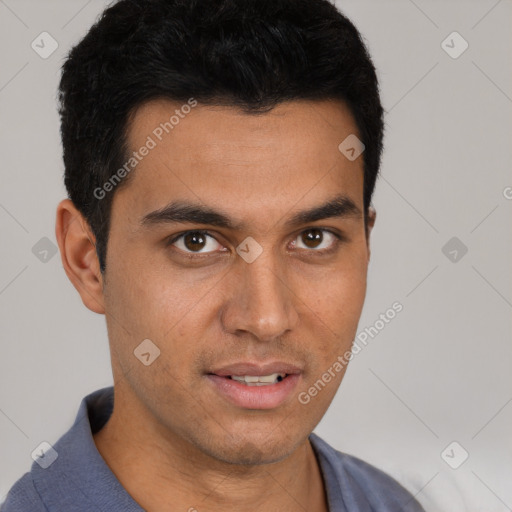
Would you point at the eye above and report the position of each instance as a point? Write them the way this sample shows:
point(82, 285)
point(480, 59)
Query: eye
point(193, 242)
point(314, 238)
point(202, 242)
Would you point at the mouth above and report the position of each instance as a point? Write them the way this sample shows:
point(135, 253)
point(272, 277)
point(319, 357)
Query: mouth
point(252, 386)
point(259, 380)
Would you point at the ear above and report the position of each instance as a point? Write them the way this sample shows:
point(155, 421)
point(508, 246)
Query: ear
point(77, 246)
point(371, 216)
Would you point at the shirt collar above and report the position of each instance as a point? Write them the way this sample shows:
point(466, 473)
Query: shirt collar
point(79, 479)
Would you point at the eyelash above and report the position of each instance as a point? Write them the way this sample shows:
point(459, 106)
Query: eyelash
point(338, 239)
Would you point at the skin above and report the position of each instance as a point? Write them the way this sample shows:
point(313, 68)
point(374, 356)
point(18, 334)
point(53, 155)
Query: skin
point(172, 439)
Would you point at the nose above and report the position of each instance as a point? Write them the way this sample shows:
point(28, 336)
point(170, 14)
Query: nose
point(261, 301)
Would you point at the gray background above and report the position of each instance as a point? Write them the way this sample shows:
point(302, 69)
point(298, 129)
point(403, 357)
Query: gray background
point(438, 372)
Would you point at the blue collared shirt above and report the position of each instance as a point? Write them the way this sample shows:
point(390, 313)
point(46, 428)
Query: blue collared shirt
point(75, 478)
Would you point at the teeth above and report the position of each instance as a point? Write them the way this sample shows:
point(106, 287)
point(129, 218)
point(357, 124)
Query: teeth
point(259, 380)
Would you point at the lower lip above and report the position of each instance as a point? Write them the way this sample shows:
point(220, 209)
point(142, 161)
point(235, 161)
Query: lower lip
point(255, 397)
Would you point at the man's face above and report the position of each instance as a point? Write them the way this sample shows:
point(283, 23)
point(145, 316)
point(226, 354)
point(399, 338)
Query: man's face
point(214, 312)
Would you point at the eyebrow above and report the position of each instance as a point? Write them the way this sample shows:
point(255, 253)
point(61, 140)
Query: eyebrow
point(184, 212)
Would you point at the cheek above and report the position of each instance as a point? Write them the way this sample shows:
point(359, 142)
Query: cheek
point(150, 298)
point(171, 308)
point(338, 303)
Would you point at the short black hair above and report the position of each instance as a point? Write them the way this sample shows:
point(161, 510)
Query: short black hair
point(252, 54)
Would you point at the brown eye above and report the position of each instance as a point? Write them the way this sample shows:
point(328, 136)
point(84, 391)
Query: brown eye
point(312, 238)
point(195, 241)
point(316, 239)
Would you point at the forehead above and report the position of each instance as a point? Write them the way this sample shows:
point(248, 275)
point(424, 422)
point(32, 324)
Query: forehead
point(249, 164)
point(211, 125)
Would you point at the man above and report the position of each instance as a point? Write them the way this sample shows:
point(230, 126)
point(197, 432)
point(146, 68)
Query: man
point(220, 158)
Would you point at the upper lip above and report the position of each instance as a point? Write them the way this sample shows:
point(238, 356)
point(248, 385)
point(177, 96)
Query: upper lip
point(254, 369)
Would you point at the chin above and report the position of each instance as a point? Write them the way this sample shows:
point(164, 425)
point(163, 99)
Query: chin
point(249, 455)
point(253, 450)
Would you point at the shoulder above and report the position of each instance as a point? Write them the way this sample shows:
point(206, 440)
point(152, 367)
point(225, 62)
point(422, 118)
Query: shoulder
point(23, 497)
point(51, 485)
point(354, 480)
